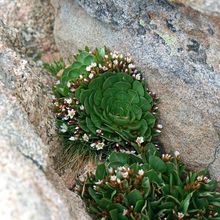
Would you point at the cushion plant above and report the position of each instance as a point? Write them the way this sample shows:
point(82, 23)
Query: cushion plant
point(101, 103)
point(152, 187)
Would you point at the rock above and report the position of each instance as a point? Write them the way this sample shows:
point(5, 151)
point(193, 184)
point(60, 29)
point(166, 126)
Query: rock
point(178, 50)
point(29, 187)
point(210, 7)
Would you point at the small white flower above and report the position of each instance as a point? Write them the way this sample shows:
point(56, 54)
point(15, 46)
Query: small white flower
point(99, 182)
point(80, 76)
point(180, 215)
point(199, 178)
point(159, 126)
point(57, 82)
point(124, 174)
point(94, 187)
point(72, 138)
point(114, 56)
point(113, 178)
point(121, 56)
point(158, 131)
point(129, 59)
point(138, 76)
point(176, 153)
point(93, 145)
point(206, 180)
point(140, 140)
point(71, 113)
point(125, 212)
point(131, 66)
point(141, 172)
point(118, 181)
point(88, 68)
point(100, 145)
point(91, 75)
point(115, 62)
point(85, 137)
point(63, 128)
point(110, 170)
point(93, 64)
point(105, 68)
point(82, 107)
point(68, 84)
point(98, 131)
point(68, 101)
point(106, 56)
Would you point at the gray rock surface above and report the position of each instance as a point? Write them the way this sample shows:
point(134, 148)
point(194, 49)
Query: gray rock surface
point(178, 49)
point(29, 187)
point(210, 7)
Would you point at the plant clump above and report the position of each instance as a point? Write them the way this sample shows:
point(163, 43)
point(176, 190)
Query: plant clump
point(149, 187)
point(101, 103)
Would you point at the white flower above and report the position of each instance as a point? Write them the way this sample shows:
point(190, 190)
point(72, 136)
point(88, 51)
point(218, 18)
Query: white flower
point(131, 66)
point(140, 140)
point(106, 56)
point(199, 178)
point(88, 68)
point(57, 82)
point(128, 59)
point(82, 107)
point(71, 113)
point(118, 181)
point(85, 137)
point(180, 215)
point(176, 153)
point(91, 75)
point(99, 182)
point(68, 84)
point(159, 126)
point(63, 128)
point(110, 170)
point(141, 172)
point(100, 145)
point(93, 145)
point(68, 101)
point(98, 131)
point(115, 62)
point(93, 64)
point(158, 131)
point(80, 76)
point(124, 174)
point(125, 212)
point(206, 179)
point(72, 138)
point(113, 178)
point(121, 56)
point(138, 76)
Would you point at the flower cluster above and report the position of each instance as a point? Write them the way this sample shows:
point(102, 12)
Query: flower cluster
point(130, 187)
point(101, 101)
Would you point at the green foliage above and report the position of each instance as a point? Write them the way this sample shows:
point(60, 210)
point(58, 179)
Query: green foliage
point(101, 102)
point(119, 106)
point(54, 67)
point(126, 187)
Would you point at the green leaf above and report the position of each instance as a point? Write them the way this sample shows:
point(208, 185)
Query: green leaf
point(114, 214)
point(100, 172)
point(134, 196)
point(185, 203)
point(138, 87)
point(157, 164)
point(119, 157)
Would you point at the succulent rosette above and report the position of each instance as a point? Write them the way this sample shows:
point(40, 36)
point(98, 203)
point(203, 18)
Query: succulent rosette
point(102, 103)
point(118, 105)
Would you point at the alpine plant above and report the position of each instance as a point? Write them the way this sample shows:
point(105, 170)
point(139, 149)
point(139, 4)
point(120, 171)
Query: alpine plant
point(153, 187)
point(101, 103)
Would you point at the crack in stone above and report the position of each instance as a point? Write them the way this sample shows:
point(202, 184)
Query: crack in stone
point(35, 162)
